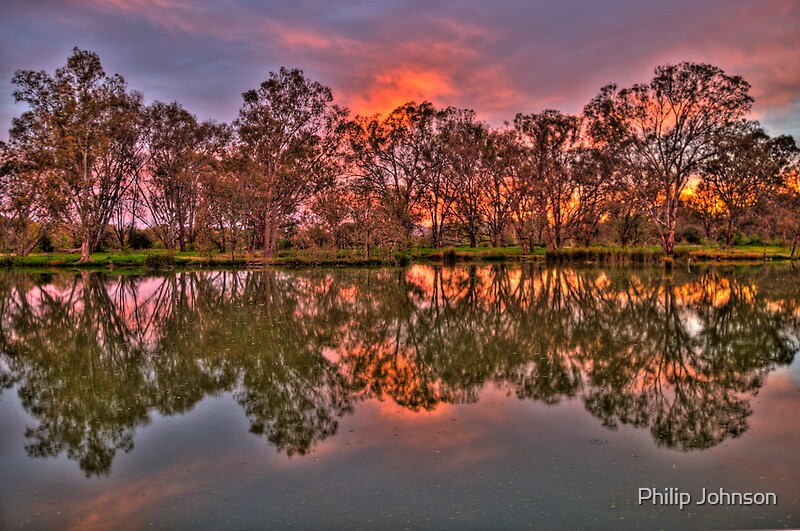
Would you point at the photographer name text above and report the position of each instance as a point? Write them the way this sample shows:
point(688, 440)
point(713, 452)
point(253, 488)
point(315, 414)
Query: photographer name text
point(679, 498)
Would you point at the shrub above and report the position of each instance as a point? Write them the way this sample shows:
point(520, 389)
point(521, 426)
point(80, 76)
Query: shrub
point(159, 261)
point(108, 241)
point(754, 239)
point(402, 260)
point(691, 235)
point(46, 244)
point(139, 240)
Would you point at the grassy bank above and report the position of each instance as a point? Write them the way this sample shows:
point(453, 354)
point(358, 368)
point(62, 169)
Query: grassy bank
point(138, 259)
point(654, 254)
point(155, 260)
point(473, 254)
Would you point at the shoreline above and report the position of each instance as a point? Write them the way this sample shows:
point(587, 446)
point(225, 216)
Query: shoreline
point(601, 256)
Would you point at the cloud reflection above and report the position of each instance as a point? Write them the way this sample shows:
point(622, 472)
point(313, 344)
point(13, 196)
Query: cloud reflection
point(94, 356)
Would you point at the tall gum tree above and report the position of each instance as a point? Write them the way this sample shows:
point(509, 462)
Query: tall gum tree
point(466, 142)
point(550, 141)
point(439, 195)
point(665, 130)
point(83, 128)
point(180, 151)
point(505, 188)
point(290, 131)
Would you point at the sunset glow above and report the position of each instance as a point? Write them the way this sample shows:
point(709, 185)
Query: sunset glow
point(498, 60)
point(392, 89)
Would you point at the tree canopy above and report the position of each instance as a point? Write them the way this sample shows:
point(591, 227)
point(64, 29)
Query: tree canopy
point(87, 159)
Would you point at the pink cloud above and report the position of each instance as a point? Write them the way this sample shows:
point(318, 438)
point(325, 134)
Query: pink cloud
point(498, 59)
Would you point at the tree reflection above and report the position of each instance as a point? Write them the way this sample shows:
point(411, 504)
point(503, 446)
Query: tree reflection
point(78, 369)
point(92, 356)
point(683, 358)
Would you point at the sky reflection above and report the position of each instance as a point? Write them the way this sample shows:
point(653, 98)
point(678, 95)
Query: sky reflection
point(357, 395)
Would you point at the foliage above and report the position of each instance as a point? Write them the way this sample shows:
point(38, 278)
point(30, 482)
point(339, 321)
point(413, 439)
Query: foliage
point(747, 168)
point(139, 240)
point(181, 151)
point(289, 131)
point(663, 131)
point(567, 182)
point(393, 161)
point(82, 133)
point(88, 165)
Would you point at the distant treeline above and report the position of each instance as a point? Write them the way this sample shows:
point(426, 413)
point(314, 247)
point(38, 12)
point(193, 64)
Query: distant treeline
point(89, 162)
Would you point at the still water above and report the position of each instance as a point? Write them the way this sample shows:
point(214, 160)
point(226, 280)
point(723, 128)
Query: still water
point(467, 397)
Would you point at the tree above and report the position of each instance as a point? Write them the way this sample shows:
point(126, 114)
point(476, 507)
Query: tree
point(704, 203)
point(505, 188)
point(289, 130)
point(550, 139)
point(466, 143)
point(373, 224)
point(785, 209)
point(226, 200)
point(747, 166)
point(594, 181)
point(567, 181)
point(83, 129)
point(333, 207)
point(391, 158)
point(27, 211)
point(180, 149)
point(665, 130)
point(439, 194)
point(627, 218)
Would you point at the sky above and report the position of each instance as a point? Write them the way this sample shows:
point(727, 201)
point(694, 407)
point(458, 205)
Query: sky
point(498, 58)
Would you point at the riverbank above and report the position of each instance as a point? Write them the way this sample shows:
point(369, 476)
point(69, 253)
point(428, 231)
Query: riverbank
point(683, 254)
point(154, 260)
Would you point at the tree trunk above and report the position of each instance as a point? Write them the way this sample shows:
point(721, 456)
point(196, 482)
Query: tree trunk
point(182, 236)
point(270, 233)
point(668, 235)
point(729, 234)
point(27, 250)
point(708, 225)
point(85, 249)
point(668, 240)
point(495, 238)
point(22, 235)
point(435, 228)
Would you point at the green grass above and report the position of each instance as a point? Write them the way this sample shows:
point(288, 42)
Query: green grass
point(96, 260)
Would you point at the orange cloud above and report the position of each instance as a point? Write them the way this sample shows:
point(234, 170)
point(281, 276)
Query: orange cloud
point(393, 88)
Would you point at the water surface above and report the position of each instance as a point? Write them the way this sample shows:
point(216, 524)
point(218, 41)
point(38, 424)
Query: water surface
point(496, 396)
